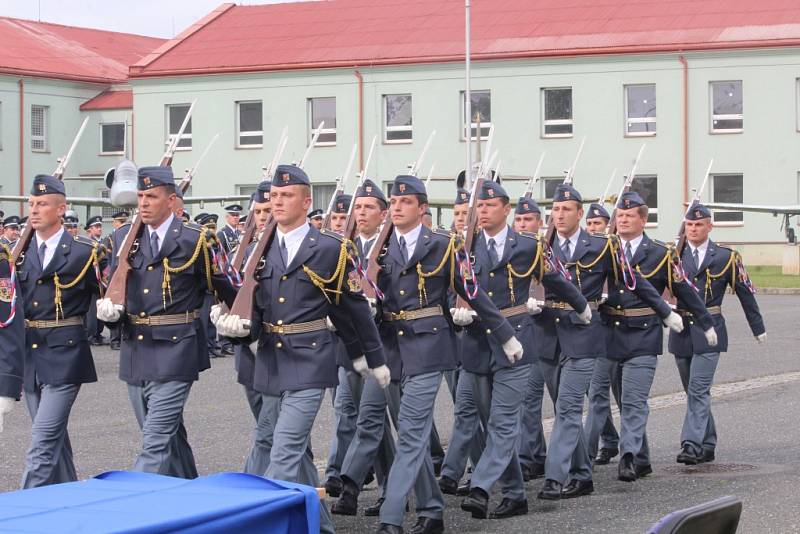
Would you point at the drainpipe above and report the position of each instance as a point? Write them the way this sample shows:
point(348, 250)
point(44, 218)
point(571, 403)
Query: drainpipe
point(360, 80)
point(21, 83)
point(685, 65)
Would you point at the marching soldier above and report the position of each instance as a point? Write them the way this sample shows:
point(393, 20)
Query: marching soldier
point(12, 338)
point(164, 349)
point(711, 268)
point(460, 210)
point(339, 214)
point(10, 231)
point(215, 350)
point(71, 224)
point(316, 218)
point(505, 263)
point(305, 276)
point(118, 219)
point(94, 231)
point(527, 216)
point(229, 234)
point(58, 279)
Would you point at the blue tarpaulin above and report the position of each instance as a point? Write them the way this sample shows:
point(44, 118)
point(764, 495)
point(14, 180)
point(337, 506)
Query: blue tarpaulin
point(122, 501)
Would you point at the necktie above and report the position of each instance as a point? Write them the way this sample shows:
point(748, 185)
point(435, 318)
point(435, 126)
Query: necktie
point(628, 252)
point(284, 252)
point(493, 252)
point(153, 244)
point(403, 250)
point(565, 250)
point(696, 255)
point(42, 249)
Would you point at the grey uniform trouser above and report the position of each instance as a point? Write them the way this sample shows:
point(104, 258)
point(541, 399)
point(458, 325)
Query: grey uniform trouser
point(568, 456)
point(413, 467)
point(499, 398)
point(467, 437)
point(158, 407)
point(697, 375)
point(345, 405)
point(532, 445)
point(637, 378)
point(599, 423)
point(551, 371)
point(265, 409)
point(49, 457)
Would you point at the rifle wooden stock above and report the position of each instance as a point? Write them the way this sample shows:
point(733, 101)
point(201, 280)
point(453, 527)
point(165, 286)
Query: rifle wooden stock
point(470, 231)
point(243, 305)
point(379, 248)
point(247, 237)
point(22, 243)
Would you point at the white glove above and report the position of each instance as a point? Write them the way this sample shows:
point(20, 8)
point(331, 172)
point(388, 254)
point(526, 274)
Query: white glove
point(216, 311)
point(761, 338)
point(7, 404)
point(533, 306)
point(674, 322)
point(382, 375)
point(253, 347)
point(513, 350)
point(462, 316)
point(586, 315)
point(711, 337)
point(233, 326)
point(329, 324)
point(360, 366)
point(107, 311)
point(373, 307)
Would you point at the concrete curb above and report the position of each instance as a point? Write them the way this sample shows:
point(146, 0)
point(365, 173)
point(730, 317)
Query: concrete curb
point(779, 290)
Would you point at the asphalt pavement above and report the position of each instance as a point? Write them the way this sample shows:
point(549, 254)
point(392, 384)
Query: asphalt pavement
point(756, 405)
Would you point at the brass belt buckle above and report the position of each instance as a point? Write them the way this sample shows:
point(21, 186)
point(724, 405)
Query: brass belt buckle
point(401, 316)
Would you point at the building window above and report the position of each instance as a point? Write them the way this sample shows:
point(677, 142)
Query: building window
point(323, 109)
point(728, 188)
point(249, 124)
point(321, 196)
point(557, 112)
point(481, 108)
point(39, 116)
point(175, 115)
point(647, 187)
point(107, 211)
point(549, 186)
point(726, 106)
point(398, 127)
point(112, 138)
point(640, 109)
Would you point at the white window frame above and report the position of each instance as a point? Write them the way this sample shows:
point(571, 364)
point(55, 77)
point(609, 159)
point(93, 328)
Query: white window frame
point(638, 120)
point(714, 212)
point(188, 136)
point(1, 122)
point(387, 128)
point(116, 152)
point(650, 209)
point(725, 117)
point(45, 128)
point(487, 125)
point(323, 203)
point(326, 130)
point(248, 133)
point(557, 122)
point(797, 104)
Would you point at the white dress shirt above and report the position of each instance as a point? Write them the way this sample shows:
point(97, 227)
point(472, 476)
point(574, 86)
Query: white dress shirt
point(292, 240)
point(499, 240)
point(51, 243)
point(161, 231)
point(411, 239)
point(701, 252)
point(635, 242)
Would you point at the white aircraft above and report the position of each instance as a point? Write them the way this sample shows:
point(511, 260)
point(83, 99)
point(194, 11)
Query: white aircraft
point(787, 212)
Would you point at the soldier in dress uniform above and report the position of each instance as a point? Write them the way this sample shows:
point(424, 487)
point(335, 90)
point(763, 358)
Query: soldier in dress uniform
point(71, 222)
point(597, 219)
point(215, 346)
point(460, 210)
point(58, 278)
point(22, 223)
point(505, 263)
point(635, 336)
point(711, 268)
point(118, 219)
point(94, 232)
point(229, 234)
point(316, 218)
point(163, 348)
point(339, 214)
point(12, 337)
point(416, 272)
point(527, 216)
point(10, 231)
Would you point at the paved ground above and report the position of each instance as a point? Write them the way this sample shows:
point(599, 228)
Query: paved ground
point(757, 458)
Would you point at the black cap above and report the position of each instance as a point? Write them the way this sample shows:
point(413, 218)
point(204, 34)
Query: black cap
point(91, 221)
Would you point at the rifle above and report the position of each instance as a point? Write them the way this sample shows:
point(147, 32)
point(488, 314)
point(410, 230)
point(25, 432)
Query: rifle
point(680, 241)
point(118, 285)
point(25, 238)
point(339, 189)
point(568, 177)
point(414, 168)
point(186, 181)
point(611, 229)
point(535, 178)
point(608, 187)
point(430, 175)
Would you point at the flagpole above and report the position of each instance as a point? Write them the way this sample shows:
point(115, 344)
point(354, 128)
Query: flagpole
point(467, 95)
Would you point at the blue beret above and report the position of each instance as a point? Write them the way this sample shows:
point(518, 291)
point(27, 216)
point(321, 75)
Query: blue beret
point(595, 211)
point(698, 212)
point(462, 196)
point(11, 220)
point(527, 205)
point(290, 175)
point(150, 177)
point(97, 219)
point(234, 209)
point(408, 185)
point(261, 194)
point(342, 203)
point(370, 189)
point(566, 192)
point(490, 190)
point(44, 184)
point(630, 199)
point(315, 214)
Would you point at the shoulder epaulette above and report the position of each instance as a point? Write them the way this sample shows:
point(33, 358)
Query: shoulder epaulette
point(529, 235)
point(331, 233)
point(193, 226)
point(662, 244)
point(85, 241)
point(444, 232)
point(599, 235)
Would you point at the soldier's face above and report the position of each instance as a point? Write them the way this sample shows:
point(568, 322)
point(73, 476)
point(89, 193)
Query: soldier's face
point(261, 213)
point(11, 233)
point(427, 220)
point(232, 219)
point(95, 230)
point(493, 214)
point(527, 222)
point(46, 211)
point(155, 205)
point(369, 214)
point(630, 223)
point(337, 222)
point(596, 225)
point(406, 211)
point(697, 231)
point(460, 217)
point(566, 216)
point(290, 204)
point(317, 223)
point(72, 230)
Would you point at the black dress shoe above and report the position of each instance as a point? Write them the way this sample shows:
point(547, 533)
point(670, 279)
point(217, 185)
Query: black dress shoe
point(386, 528)
point(464, 489)
point(477, 503)
point(509, 508)
point(551, 491)
point(626, 471)
point(428, 525)
point(333, 486)
point(605, 456)
point(448, 485)
point(643, 470)
point(346, 505)
point(687, 457)
point(437, 466)
point(369, 478)
point(577, 488)
point(374, 510)
point(708, 456)
point(532, 471)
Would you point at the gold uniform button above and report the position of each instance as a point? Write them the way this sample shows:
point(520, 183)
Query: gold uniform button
point(313, 343)
point(435, 329)
point(616, 323)
point(142, 314)
point(279, 344)
point(35, 303)
point(150, 268)
point(621, 291)
point(140, 337)
point(402, 292)
point(690, 322)
point(491, 275)
point(174, 338)
point(645, 324)
point(490, 294)
point(34, 346)
point(281, 300)
point(619, 307)
point(145, 291)
point(38, 282)
point(280, 322)
point(399, 332)
point(284, 277)
point(558, 320)
point(69, 342)
point(488, 330)
point(403, 273)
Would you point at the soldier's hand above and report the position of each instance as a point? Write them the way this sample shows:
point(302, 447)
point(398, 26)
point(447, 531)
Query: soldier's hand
point(382, 375)
point(107, 311)
point(329, 324)
point(711, 337)
point(674, 322)
point(7, 404)
point(513, 350)
point(462, 316)
point(361, 367)
point(216, 311)
point(373, 306)
point(586, 315)
point(761, 338)
point(533, 306)
point(253, 347)
point(233, 326)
